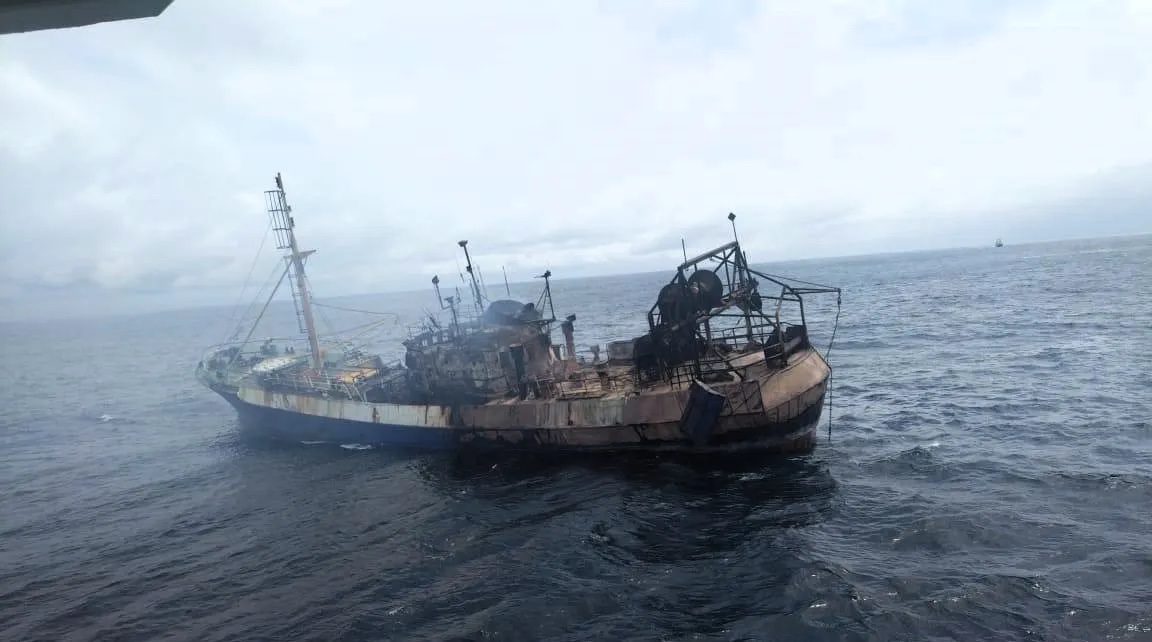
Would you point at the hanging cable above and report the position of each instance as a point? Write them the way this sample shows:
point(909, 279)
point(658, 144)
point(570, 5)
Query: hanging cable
point(835, 325)
point(827, 355)
point(829, 403)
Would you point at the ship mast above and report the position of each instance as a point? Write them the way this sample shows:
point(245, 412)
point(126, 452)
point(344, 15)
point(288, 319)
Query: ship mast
point(284, 226)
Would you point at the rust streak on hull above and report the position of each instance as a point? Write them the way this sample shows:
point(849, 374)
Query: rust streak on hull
point(723, 364)
point(793, 396)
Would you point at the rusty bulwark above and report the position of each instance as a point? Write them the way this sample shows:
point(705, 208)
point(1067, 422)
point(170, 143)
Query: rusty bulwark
point(650, 419)
point(424, 416)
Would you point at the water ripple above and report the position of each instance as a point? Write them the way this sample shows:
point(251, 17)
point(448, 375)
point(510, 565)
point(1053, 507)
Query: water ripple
point(988, 477)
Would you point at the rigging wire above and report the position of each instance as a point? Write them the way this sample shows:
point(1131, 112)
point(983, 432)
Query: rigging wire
point(262, 311)
point(792, 278)
point(248, 278)
point(363, 330)
point(323, 317)
point(344, 309)
point(276, 269)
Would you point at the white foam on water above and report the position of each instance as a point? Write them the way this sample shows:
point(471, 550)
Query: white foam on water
point(356, 446)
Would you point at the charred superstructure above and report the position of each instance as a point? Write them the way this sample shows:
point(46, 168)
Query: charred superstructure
point(721, 366)
point(714, 307)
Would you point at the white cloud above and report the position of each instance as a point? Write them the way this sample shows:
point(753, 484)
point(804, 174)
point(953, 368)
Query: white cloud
point(132, 155)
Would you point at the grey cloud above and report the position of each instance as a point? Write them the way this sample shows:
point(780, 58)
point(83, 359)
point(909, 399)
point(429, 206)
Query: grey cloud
point(585, 139)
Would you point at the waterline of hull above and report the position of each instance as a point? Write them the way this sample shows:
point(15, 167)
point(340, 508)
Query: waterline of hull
point(797, 434)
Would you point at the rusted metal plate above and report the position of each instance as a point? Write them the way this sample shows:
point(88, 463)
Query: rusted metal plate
point(745, 360)
point(382, 413)
point(654, 407)
point(546, 413)
point(804, 372)
point(613, 419)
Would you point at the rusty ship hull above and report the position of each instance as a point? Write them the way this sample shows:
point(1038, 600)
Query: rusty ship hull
point(779, 413)
point(725, 364)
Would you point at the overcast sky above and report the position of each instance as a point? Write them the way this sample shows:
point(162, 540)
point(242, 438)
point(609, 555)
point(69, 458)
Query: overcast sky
point(588, 137)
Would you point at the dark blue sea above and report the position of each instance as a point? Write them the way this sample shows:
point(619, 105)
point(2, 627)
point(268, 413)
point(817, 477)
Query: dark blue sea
point(988, 477)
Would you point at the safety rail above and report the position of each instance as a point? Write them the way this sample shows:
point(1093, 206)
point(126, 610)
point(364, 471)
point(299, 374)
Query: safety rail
point(716, 363)
point(239, 350)
point(305, 381)
point(351, 380)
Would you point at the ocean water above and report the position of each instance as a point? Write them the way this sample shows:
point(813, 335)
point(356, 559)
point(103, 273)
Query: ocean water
point(988, 477)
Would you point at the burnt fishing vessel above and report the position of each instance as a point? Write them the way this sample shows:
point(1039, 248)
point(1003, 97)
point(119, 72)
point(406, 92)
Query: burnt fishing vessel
point(718, 368)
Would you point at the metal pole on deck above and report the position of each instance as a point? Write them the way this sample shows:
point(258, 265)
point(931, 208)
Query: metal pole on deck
point(472, 276)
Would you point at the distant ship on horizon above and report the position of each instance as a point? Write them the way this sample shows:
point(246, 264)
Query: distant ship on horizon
point(999, 243)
